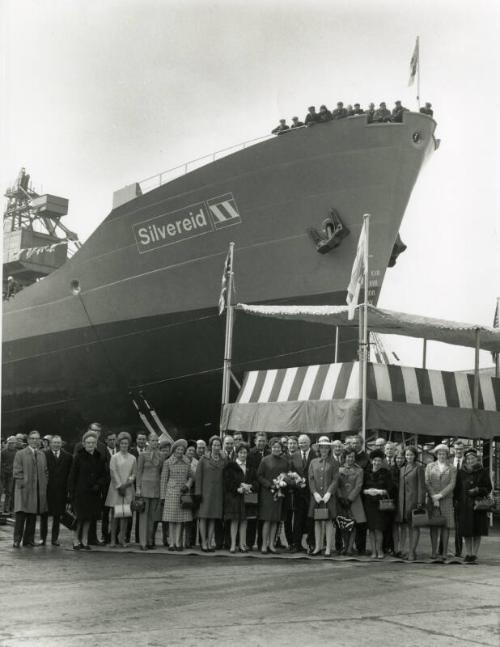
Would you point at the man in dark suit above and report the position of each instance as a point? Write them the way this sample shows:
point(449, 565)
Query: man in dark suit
point(58, 466)
point(140, 444)
point(255, 455)
point(302, 525)
point(96, 429)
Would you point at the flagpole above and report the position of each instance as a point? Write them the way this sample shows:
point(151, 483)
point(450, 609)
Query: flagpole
point(418, 72)
point(228, 342)
point(366, 223)
point(497, 355)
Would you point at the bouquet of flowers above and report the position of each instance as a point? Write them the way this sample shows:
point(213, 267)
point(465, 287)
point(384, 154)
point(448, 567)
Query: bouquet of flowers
point(279, 483)
point(295, 480)
point(245, 488)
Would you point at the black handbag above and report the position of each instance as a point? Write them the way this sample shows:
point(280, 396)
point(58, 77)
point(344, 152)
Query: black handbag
point(251, 498)
point(486, 504)
point(187, 502)
point(321, 512)
point(421, 517)
point(68, 519)
point(138, 504)
point(386, 505)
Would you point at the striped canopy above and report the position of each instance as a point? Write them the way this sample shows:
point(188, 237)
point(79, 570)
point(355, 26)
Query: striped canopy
point(326, 398)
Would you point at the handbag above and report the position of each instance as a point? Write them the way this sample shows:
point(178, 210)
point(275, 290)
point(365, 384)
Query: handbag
point(345, 523)
point(386, 505)
point(187, 502)
point(68, 519)
point(138, 504)
point(251, 498)
point(122, 510)
point(321, 513)
point(421, 518)
point(486, 503)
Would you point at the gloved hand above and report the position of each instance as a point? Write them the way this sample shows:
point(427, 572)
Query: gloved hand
point(473, 491)
point(122, 490)
point(317, 497)
point(184, 489)
point(327, 497)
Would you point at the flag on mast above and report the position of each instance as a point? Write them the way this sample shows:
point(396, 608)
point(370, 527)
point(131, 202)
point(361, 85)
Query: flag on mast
point(357, 274)
point(224, 282)
point(414, 63)
point(496, 323)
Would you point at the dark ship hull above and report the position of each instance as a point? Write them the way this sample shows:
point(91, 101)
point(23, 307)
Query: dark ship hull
point(146, 318)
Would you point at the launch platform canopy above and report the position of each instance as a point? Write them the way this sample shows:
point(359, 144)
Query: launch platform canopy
point(388, 322)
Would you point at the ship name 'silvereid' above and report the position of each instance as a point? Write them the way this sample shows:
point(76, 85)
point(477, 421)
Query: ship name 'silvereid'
point(190, 221)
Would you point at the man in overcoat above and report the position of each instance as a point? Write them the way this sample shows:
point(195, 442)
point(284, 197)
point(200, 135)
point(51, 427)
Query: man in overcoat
point(30, 496)
point(58, 467)
point(6, 473)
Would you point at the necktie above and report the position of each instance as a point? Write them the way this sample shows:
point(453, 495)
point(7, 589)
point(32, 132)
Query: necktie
point(304, 459)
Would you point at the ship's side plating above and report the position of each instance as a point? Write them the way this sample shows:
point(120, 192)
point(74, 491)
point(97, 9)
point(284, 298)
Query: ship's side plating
point(146, 317)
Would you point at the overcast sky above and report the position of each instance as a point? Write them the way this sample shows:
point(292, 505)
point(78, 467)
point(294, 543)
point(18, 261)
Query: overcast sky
point(97, 94)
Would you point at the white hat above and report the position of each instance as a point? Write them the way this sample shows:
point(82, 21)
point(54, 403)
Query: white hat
point(325, 441)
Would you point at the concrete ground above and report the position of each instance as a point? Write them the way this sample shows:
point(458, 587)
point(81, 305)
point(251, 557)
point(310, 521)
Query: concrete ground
point(55, 597)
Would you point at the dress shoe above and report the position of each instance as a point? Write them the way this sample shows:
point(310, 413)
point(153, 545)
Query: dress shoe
point(55, 543)
point(76, 546)
point(29, 544)
point(85, 547)
point(41, 542)
point(16, 544)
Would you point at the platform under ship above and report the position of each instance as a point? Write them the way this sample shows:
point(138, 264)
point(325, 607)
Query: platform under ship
point(133, 314)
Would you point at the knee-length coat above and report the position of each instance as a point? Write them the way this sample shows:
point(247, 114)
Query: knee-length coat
point(324, 477)
point(176, 474)
point(472, 523)
point(380, 480)
point(270, 467)
point(411, 490)
point(234, 502)
point(443, 483)
point(209, 485)
point(27, 467)
point(350, 486)
point(57, 487)
point(87, 480)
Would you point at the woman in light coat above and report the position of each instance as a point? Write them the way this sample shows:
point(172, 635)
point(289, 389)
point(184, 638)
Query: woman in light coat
point(440, 480)
point(323, 483)
point(122, 469)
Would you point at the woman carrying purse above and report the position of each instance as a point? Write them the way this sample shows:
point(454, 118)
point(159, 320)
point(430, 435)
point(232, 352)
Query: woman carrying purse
point(440, 479)
point(122, 468)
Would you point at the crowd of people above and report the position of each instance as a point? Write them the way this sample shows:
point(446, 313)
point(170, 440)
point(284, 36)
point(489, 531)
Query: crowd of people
point(372, 114)
point(281, 493)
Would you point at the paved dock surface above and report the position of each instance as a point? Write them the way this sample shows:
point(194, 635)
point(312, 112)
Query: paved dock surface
point(55, 597)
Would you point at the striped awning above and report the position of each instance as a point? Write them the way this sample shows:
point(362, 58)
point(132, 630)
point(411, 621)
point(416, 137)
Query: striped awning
point(323, 398)
point(384, 382)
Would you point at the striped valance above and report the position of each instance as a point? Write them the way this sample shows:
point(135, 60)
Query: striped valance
point(384, 382)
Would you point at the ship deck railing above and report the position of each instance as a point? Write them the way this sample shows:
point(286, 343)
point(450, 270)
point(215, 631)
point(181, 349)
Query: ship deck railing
point(157, 180)
point(154, 181)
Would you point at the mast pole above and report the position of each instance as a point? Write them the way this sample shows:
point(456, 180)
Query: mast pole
point(366, 223)
point(418, 72)
point(228, 342)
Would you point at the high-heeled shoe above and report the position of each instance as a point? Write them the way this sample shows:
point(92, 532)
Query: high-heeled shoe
point(243, 549)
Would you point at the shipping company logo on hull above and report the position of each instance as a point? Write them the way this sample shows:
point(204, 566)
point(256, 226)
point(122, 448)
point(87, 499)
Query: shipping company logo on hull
point(194, 220)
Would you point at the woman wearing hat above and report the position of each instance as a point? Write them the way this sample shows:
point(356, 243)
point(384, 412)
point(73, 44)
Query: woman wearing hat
point(209, 487)
point(122, 469)
point(270, 502)
point(176, 479)
point(323, 483)
point(440, 479)
point(86, 482)
point(473, 483)
point(349, 497)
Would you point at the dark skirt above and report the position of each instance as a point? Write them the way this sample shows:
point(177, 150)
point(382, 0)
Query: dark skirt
point(88, 507)
point(269, 509)
point(472, 523)
point(234, 507)
point(375, 518)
